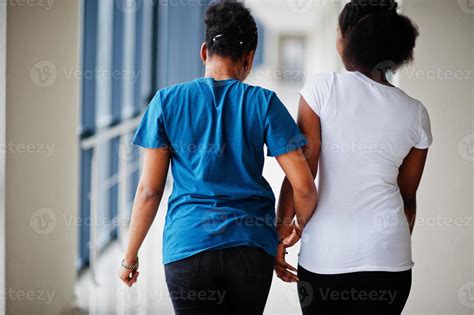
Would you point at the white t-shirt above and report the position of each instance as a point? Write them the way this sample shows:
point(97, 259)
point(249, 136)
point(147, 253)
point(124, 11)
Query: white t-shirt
point(367, 131)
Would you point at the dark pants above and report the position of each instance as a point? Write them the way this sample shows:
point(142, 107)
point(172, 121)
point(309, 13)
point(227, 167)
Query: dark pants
point(354, 293)
point(225, 281)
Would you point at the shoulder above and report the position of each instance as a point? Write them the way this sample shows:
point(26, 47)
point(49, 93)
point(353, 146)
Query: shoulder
point(412, 103)
point(318, 89)
point(258, 90)
point(178, 88)
point(172, 93)
point(322, 78)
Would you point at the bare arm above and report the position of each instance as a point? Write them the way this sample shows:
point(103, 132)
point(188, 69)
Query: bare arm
point(147, 199)
point(288, 205)
point(301, 192)
point(409, 179)
point(309, 124)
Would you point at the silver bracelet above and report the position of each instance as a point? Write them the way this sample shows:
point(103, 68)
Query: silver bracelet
point(130, 267)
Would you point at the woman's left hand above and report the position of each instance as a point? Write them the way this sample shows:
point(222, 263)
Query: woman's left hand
point(284, 270)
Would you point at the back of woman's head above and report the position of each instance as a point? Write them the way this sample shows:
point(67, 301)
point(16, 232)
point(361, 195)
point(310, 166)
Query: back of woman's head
point(374, 33)
point(231, 30)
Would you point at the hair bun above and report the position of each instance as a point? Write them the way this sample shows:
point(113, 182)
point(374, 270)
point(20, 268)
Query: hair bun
point(374, 6)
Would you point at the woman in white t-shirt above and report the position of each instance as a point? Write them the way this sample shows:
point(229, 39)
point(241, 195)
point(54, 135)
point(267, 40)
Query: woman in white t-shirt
point(368, 144)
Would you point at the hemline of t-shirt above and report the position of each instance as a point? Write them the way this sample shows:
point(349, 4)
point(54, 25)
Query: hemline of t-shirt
point(357, 269)
point(286, 149)
point(234, 243)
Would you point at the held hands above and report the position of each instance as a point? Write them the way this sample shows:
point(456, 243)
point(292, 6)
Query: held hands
point(128, 272)
point(290, 236)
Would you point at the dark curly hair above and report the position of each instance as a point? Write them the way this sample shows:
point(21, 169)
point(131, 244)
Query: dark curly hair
point(231, 30)
point(374, 33)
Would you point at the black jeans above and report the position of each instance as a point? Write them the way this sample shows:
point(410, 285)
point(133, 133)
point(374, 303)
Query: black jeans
point(363, 293)
point(233, 280)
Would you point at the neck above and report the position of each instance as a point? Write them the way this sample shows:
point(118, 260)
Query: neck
point(223, 69)
point(379, 76)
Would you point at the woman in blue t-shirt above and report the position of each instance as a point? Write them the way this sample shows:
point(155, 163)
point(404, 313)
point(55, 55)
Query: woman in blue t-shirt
point(220, 239)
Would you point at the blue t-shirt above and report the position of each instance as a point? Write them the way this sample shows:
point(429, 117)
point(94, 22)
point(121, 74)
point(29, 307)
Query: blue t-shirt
point(217, 131)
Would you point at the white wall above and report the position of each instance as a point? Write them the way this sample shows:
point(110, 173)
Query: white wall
point(3, 24)
point(42, 162)
point(443, 239)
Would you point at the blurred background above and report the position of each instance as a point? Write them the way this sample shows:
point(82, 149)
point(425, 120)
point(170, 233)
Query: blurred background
point(75, 77)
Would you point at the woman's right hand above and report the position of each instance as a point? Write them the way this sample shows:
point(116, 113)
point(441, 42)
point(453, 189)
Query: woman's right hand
point(128, 276)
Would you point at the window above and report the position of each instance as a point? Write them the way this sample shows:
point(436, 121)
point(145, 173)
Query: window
point(292, 55)
point(128, 53)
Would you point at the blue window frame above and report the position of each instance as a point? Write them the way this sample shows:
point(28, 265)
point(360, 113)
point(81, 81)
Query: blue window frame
point(167, 42)
point(179, 38)
point(87, 124)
